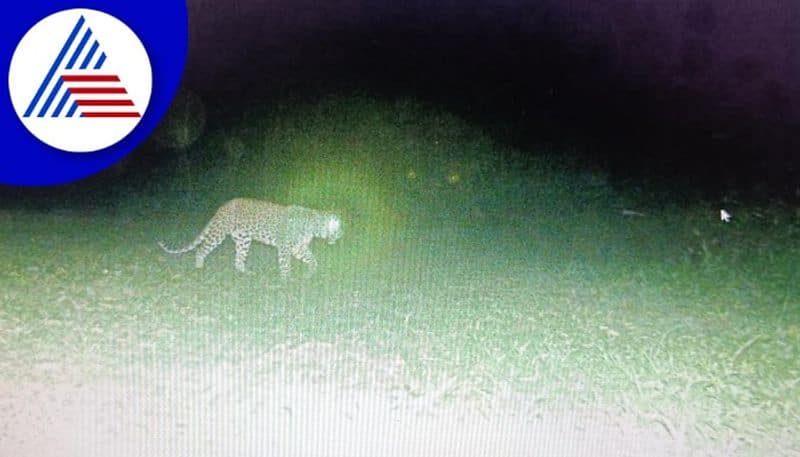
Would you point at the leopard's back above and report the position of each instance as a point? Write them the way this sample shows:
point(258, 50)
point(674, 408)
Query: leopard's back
point(249, 215)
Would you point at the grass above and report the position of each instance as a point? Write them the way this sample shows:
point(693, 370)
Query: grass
point(472, 270)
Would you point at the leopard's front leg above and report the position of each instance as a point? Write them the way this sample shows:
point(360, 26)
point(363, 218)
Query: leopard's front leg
point(304, 254)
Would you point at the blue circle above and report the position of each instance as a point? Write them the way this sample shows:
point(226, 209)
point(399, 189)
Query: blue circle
point(161, 25)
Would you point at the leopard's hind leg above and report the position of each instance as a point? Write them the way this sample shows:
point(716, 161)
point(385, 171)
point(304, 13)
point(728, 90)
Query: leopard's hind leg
point(285, 262)
point(242, 242)
point(209, 243)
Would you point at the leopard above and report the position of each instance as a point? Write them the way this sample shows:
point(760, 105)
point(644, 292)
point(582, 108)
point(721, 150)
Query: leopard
point(290, 229)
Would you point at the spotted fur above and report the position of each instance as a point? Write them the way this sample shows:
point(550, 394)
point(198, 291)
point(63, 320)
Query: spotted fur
point(289, 228)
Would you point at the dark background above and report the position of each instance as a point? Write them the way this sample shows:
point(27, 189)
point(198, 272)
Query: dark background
point(701, 96)
point(692, 88)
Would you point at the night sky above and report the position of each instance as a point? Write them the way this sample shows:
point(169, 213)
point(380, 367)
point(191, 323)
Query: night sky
point(685, 88)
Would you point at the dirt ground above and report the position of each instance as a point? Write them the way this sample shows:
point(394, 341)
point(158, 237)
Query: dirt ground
point(336, 405)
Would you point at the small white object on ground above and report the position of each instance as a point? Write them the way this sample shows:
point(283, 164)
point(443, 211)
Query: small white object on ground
point(630, 212)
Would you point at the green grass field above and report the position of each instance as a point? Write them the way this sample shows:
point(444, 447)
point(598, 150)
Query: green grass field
point(466, 271)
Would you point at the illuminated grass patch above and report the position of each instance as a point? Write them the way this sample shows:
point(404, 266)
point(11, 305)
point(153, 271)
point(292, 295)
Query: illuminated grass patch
point(472, 273)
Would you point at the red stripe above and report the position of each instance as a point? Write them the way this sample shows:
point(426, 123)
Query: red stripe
point(111, 114)
point(98, 90)
point(104, 102)
point(90, 78)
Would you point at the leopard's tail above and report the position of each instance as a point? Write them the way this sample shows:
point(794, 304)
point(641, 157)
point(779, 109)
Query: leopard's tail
point(197, 241)
point(188, 248)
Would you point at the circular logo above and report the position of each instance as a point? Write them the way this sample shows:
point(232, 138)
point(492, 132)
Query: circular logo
point(80, 80)
point(87, 83)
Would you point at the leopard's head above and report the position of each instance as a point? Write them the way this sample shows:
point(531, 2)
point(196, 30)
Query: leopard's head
point(333, 228)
